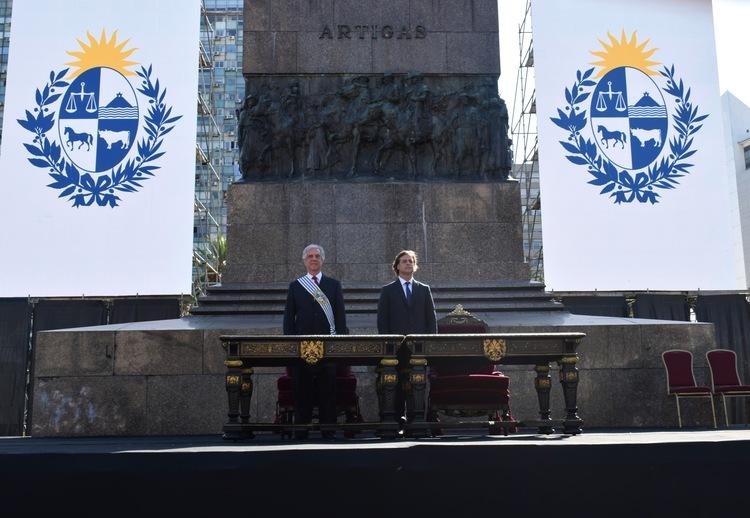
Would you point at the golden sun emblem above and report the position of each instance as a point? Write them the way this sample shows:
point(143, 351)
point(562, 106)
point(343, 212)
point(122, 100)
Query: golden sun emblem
point(102, 53)
point(625, 53)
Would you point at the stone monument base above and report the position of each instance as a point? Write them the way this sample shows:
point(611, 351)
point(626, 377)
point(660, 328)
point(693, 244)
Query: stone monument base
point(167, 377)
point(462, 232)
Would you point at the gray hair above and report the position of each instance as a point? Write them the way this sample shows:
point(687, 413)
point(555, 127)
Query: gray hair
point(310, 247)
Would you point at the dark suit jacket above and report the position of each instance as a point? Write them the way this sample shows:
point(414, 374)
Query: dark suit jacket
point(304, 316)
point(396, 317)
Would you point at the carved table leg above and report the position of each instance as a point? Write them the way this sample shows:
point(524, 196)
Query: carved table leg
point(233, 383)
point(417, 396)
point(543, 384)
point(387, 380)
point(569, 381)
point(246, 394)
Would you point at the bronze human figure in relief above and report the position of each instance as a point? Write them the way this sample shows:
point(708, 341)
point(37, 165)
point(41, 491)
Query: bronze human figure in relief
point(390, 127)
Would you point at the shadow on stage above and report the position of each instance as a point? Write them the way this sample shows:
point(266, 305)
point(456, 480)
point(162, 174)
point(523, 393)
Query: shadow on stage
point(598, 473)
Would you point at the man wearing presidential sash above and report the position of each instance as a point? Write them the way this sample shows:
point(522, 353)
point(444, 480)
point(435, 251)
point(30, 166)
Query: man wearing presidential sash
point(314, 306)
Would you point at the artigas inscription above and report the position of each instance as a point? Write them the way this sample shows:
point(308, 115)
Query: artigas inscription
point(386, 32)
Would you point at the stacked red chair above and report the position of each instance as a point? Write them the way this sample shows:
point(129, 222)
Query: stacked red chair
point(725, 379)
point(681, 380)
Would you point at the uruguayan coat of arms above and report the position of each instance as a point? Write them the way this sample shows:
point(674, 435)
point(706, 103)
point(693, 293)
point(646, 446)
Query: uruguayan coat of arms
point(634, 140)
point(97, 126)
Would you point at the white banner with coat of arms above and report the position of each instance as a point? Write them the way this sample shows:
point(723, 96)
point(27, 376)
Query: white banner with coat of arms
point(97, 166)
point(635, 191)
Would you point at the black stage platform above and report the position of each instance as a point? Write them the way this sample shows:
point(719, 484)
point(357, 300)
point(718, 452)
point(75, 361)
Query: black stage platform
point(643, 473)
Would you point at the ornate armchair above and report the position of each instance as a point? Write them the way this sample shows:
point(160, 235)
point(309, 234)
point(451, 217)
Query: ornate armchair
point(347, 400)
point(468, 386)
point(725, 379)
point(681, 380)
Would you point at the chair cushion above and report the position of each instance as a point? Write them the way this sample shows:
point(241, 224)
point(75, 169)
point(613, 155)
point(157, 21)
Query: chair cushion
point(470, 398)
point(470, 389)
point(732, 388)
point(458, 367)
point(495, 381)
point(689, 390)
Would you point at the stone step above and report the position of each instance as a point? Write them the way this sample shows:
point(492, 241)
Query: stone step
point(371, 307)
point(362, 298)
point(349, 297)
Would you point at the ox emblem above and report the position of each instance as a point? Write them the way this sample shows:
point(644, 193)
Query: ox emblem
point(494, 349)
point(311, 351)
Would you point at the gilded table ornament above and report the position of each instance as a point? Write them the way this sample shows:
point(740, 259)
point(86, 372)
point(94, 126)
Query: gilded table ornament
point(390, 378)
point(233, 380)
point(543, 383)
point(418, 361)
point(233, 363)
point(569, 360)
point(311, 351)
point(245, 387)
point(388, 362)
point(494, 349)
point(417, 378)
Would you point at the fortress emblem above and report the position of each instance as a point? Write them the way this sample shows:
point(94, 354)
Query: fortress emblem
point(90, 132)
point(618, 123)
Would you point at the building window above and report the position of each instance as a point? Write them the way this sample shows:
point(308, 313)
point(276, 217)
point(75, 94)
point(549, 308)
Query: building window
point(747, 157)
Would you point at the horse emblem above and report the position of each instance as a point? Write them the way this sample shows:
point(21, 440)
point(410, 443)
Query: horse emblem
point(618, 124)
point(97, 154)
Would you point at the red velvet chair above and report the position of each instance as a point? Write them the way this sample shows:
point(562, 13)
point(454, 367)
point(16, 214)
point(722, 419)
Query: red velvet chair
point(347, 400)
point(468, 387)
point(725, 379)
point(681, 380)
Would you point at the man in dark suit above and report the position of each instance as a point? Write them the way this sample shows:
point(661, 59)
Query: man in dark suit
point(405, 307)
point(314, 306)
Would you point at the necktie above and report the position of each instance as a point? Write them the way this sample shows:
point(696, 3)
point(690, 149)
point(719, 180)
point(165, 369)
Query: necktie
point(408, 292)
point(315, 279)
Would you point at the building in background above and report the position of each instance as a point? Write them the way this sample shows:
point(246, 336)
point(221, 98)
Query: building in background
point(5, 10)
point(221, 89)
point(525, 147)
point(736, 119)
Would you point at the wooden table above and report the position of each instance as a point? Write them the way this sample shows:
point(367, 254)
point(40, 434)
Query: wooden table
point(243, 352)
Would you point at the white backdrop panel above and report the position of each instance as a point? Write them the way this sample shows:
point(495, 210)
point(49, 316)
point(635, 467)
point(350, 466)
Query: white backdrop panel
point(143, 245)
point(687, 240)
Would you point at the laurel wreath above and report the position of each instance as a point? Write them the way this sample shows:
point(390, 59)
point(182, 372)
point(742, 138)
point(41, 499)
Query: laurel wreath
point(82, 189)
point(620, 184)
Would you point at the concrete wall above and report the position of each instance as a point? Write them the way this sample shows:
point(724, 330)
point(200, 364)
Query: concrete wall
point(170, 382)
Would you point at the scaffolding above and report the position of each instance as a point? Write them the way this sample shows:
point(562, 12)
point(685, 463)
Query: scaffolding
point(526, 146)
point(209, 192)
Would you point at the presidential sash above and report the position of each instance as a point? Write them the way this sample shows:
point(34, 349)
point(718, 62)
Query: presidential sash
point(320, 297)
